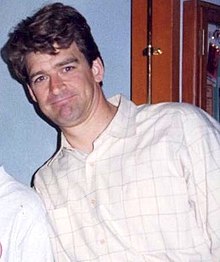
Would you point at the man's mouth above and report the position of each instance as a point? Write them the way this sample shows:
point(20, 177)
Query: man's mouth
point(61, 100)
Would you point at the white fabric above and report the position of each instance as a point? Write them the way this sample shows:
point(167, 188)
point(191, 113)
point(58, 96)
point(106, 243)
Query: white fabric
point(149, 191)
point(23, 228)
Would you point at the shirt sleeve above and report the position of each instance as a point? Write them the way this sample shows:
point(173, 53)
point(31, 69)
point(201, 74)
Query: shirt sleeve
point(202, 135)
point(32, 240)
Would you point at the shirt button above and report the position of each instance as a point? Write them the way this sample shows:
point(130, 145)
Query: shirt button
point(93, 202)
point(102, 241)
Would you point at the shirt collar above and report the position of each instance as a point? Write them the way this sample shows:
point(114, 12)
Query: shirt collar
point(123, 124)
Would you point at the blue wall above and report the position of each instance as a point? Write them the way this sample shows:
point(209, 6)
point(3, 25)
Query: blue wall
point(26, 141)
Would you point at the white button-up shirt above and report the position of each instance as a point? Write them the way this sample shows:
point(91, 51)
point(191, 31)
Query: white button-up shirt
point(24, 233)
point(149, 191)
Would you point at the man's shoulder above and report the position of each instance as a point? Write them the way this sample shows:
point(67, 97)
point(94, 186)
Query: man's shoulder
point(9, 185)
point(169, 107)
point(19, 196)
point(45, 172)
point(179, 110)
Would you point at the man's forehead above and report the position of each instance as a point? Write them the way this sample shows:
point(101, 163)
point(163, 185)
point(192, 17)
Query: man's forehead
point(61, 53)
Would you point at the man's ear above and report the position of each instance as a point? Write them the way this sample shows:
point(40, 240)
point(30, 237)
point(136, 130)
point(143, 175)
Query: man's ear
point(32, 93)
point(98, 70)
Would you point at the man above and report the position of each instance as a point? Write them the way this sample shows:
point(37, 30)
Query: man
point(23, 226)
point(128, 183)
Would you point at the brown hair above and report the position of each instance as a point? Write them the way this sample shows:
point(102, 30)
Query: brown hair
point(54, 23)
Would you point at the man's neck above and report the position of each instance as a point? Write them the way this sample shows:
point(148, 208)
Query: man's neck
point(83, 136)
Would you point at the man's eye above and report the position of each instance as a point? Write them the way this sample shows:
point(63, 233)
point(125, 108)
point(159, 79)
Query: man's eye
point(68, 68)
point(39, 79)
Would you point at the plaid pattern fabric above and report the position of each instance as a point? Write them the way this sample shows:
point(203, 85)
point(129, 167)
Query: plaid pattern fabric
point(149, 191)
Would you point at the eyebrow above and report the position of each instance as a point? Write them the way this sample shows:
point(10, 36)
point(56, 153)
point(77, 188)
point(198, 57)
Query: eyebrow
point(59, 64)
point(67, 61)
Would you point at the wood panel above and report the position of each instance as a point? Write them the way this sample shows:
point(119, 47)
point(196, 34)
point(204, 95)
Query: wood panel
point(197, 15)
point(138, 44)
point(191, 53)
point(165, 35)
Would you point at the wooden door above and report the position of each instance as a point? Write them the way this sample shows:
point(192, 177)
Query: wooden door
point(165, 35)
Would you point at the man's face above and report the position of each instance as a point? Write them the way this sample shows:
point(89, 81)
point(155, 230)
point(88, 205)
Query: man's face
point(64, 85)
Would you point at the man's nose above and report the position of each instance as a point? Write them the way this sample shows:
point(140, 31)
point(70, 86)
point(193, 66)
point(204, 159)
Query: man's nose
point(56, 84)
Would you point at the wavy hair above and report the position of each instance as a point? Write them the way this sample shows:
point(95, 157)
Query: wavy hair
point(53, 24)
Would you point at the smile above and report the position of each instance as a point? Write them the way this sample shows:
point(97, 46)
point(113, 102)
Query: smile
point(62, 100)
